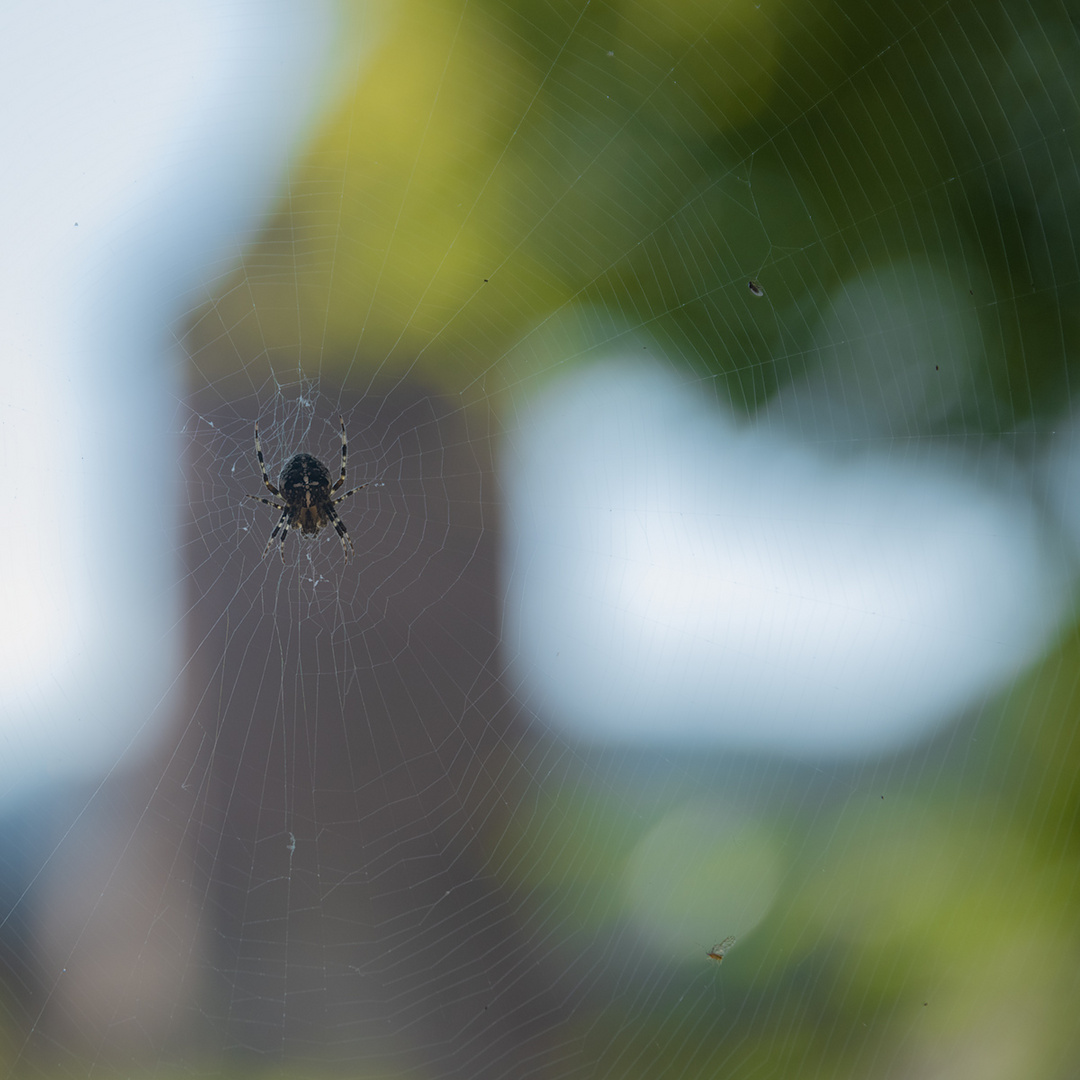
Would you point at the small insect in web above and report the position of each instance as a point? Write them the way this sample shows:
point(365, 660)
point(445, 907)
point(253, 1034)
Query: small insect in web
point(718, 952)
point(755, 288)
point(308, 502)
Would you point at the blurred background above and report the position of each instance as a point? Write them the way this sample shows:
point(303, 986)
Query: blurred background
point(708, 369)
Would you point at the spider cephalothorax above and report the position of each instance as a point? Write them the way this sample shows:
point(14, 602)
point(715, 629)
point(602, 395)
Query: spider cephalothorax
point(308, 502)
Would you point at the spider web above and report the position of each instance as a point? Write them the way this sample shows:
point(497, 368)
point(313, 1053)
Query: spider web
point(677, 612)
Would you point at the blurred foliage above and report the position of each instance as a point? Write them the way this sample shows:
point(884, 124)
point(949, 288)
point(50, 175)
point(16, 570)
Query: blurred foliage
point(1037, 755)
point(926, 928)
point(494, 163)
point(927, 923)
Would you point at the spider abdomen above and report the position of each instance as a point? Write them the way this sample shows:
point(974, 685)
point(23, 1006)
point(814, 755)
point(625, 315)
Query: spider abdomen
point(305, 487)
point(304, 474)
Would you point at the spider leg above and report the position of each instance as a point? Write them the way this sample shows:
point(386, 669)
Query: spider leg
point(344, 456)
point(273, 536)
point(262, 464)
point(339, 528)
point(342, 498)
point(269, 502)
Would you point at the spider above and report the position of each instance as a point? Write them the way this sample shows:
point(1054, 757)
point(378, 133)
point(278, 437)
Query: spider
point(308, 503)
